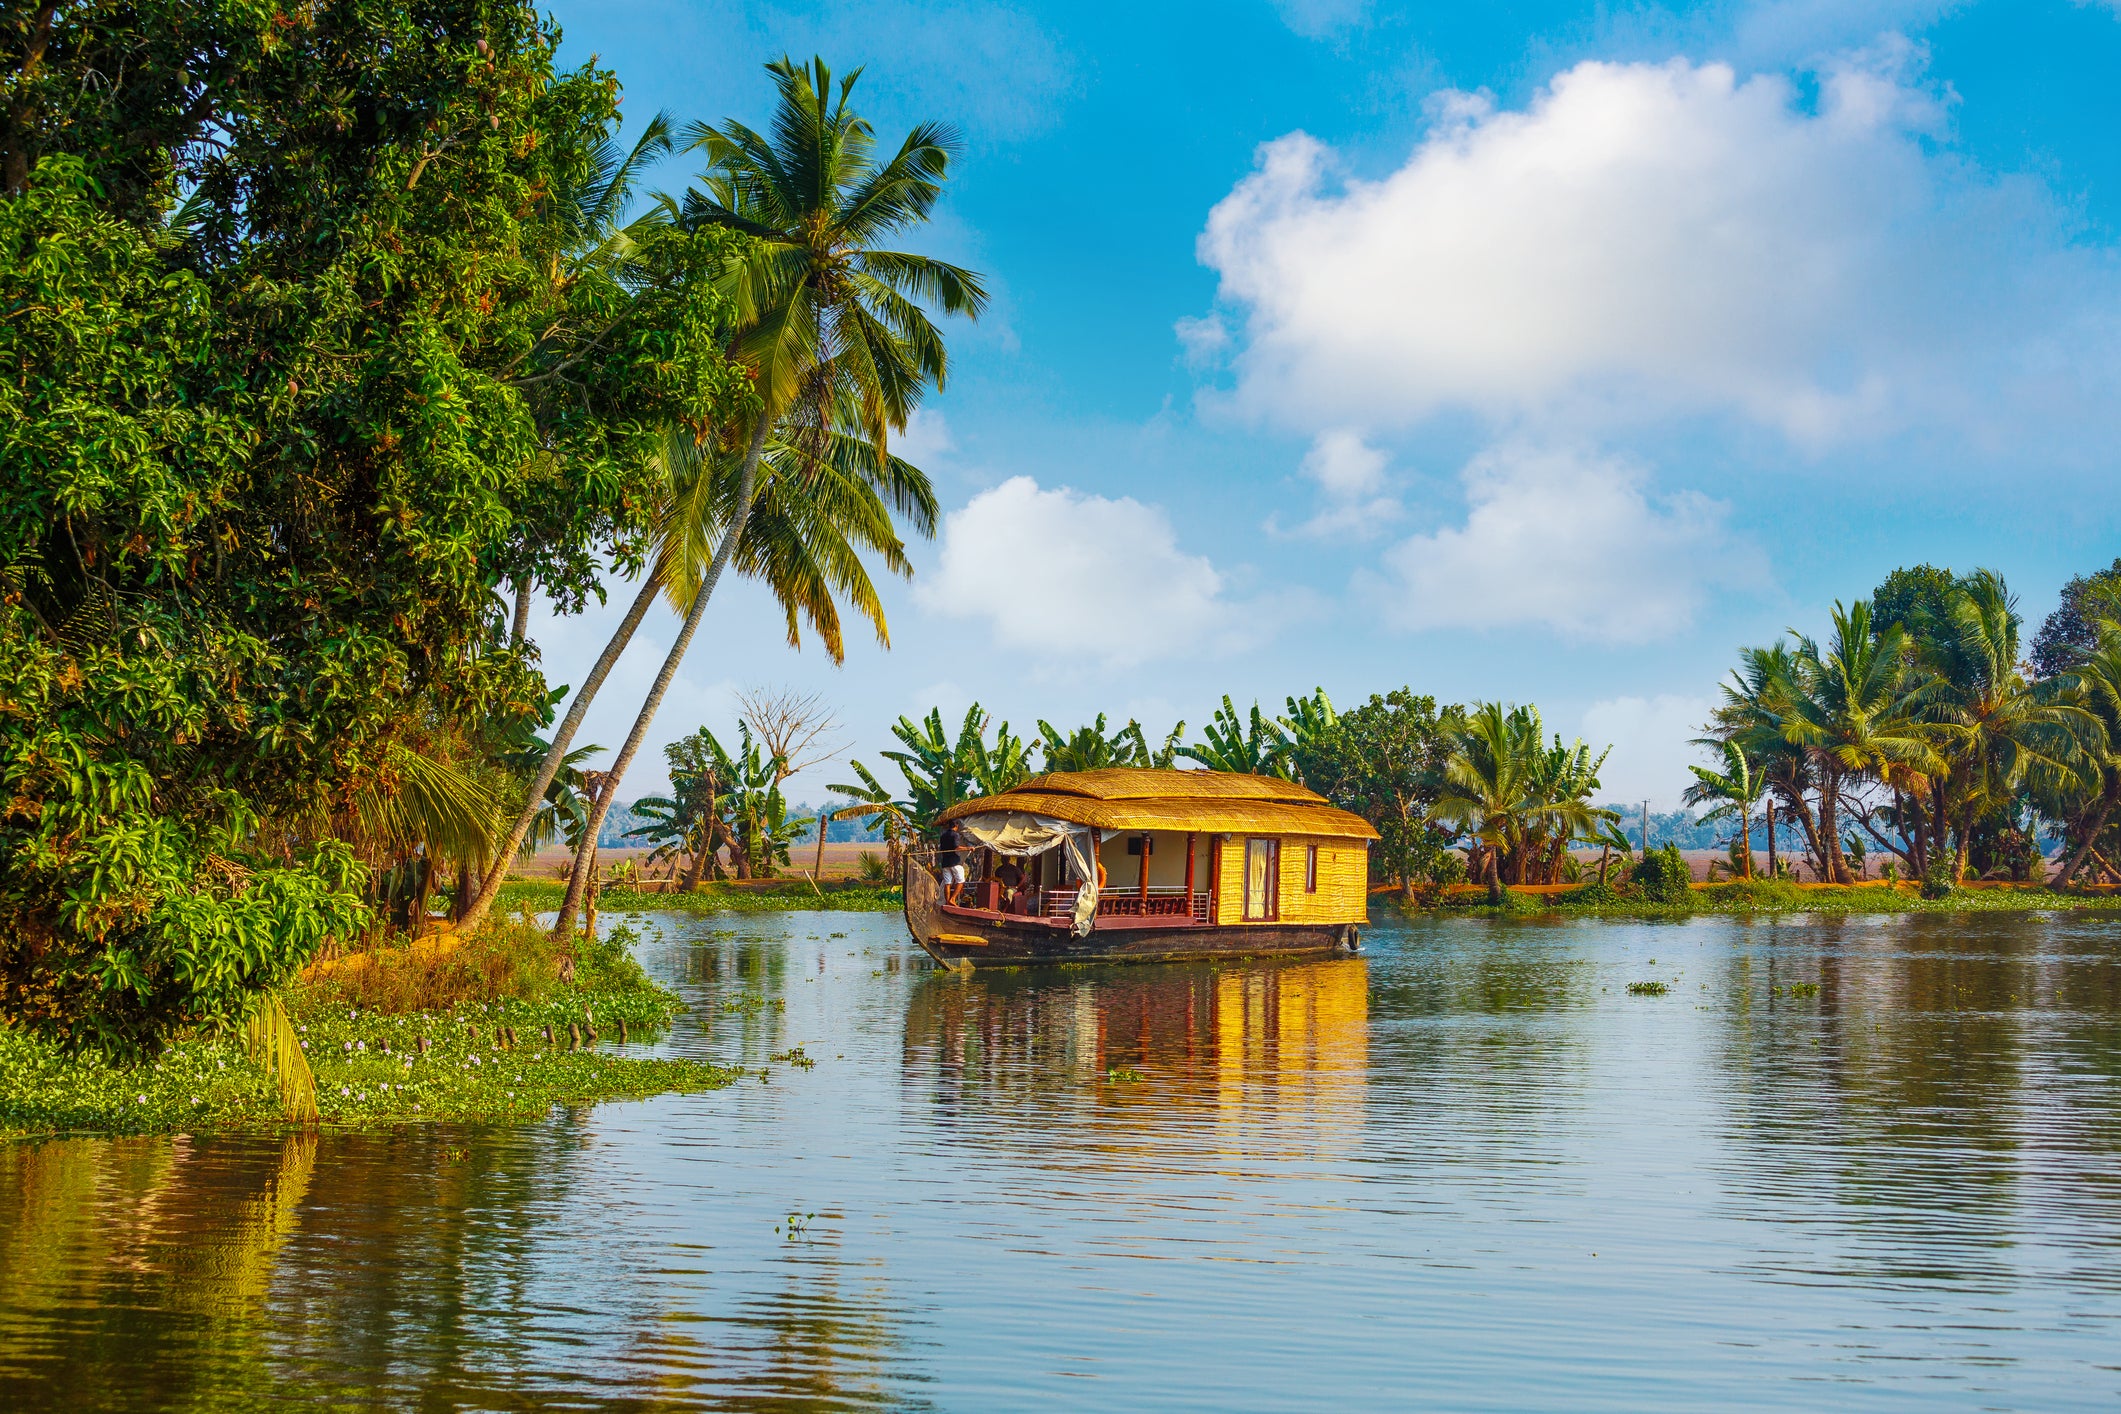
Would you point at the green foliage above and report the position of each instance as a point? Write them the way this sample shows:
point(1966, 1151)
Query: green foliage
point(268, 454)
point(1663, 876)
point(1522, 802)
point(1594, 893)
point(1941, 879)
point(1087, 748)
point(1254, 746)
point(940, 772)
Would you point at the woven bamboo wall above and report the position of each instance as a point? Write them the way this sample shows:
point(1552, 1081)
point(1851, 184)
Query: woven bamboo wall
point(1343, 882)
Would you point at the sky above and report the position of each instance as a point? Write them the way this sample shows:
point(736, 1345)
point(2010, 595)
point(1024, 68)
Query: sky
point(1542, 353)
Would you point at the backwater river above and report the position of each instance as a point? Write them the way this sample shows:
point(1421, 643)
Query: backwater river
point(1467, 1168)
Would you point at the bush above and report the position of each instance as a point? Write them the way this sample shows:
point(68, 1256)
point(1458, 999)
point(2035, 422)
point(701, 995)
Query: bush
point(1941, 879)
point(1663, 877)
point(1595, 892)
point(871, 868)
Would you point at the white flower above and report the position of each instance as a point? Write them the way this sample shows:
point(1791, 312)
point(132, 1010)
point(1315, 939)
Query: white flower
point(141, 1098)
point(344, 1091)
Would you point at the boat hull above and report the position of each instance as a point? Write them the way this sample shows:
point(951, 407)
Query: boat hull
point(961, 937)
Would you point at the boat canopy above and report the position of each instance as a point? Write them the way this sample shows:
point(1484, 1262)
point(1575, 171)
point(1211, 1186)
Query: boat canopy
point(1141, 798)
point(1019, 833)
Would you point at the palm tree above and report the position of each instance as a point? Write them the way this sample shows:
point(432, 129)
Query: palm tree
point(2087, 801)
point(831, 328)
point(1488, 788)
point(1851, 709)
point(1737, 787)
point(1998, 729)
point(825, 502)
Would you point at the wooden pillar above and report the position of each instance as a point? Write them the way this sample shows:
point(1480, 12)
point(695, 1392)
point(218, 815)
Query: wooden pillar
point(1189, 873)
point(1142, 882)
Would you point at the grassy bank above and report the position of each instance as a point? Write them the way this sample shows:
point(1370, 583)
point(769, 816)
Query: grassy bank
point(778, 896)
point(1758, 896)
point(505, 1038)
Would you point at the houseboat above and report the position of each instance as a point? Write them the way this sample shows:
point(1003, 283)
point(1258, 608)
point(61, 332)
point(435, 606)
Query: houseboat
point(1134, 865)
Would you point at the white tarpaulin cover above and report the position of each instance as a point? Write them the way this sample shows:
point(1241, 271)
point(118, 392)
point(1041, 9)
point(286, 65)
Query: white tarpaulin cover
point(1016, 832)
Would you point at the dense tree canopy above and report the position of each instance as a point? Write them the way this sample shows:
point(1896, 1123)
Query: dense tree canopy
point(302, 357)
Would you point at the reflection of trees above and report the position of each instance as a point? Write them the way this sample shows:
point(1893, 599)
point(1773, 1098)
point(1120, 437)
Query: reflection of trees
point(427, 1268)
point(1918, 1088)
point(1264, 1059)
point(138, 1270)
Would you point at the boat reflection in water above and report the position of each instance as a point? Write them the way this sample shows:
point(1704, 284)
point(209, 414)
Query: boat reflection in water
point(1265, 1060)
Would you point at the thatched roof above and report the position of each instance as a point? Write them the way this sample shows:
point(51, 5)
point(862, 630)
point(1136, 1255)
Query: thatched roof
point(1207, 802)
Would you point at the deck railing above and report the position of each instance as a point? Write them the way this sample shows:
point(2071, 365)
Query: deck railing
point(1162, 902)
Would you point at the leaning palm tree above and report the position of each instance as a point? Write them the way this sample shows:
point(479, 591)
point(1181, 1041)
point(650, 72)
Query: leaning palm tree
point(824, 503)
point(831, 327)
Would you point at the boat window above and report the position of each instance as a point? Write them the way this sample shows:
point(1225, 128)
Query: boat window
point(1262, 868)
point(1310, 868)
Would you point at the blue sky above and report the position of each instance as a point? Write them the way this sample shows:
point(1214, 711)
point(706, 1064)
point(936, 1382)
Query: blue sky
point(1542, 352)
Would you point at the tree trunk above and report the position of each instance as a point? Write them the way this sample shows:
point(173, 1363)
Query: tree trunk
point(1745, 835)
point(1835, 870)
point(521, 629)
point(562, 738)
point(2084, 849)
point(747, 483)
point(585, 859)
point(1771, 837)
point(1941, 826)
point(1494, 881)
point(462, 904)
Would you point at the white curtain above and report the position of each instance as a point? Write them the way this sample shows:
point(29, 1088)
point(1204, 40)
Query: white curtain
point(1020, 833)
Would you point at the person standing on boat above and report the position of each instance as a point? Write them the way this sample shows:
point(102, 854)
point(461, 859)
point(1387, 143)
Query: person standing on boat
point(950, 862)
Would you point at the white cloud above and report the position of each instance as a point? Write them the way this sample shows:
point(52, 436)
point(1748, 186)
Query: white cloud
point(1351, 480)
point(1650, 737)
point(1321, 19)
point(1569, 540)
point(1648, 240)
point(1203, 339)
point(926, 440)
point(1062, 575)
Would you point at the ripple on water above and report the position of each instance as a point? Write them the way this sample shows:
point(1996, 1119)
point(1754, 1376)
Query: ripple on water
point(1854, 1162)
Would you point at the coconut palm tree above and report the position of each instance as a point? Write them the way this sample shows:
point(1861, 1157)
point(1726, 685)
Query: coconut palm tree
point(1736, 788)
point(831, 325)
point(1998, 729)
point(2087, 802)
point(1490, 788)
point(825, 503)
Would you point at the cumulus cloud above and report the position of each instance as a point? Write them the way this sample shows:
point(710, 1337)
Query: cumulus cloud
point(1569, 540)
point(1650, 737)
point(1650, 240)
point(1350, 474)
point(1062, 574)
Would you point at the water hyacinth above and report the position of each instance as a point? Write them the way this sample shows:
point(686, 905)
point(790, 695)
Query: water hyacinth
point(205, 1080)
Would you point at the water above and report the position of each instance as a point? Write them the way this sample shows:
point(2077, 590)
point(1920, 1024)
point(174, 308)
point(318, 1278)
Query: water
point(1466, 1168)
